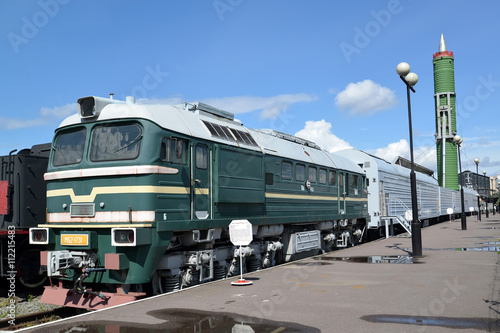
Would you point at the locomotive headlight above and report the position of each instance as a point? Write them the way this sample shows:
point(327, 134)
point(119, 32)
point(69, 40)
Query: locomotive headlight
point(123, 237)
point(39, 235)
point(91, 106)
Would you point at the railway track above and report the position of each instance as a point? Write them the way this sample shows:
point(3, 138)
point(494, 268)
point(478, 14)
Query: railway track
point(37, 318)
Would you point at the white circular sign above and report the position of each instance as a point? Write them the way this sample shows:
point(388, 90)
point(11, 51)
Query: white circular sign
point(240, 232)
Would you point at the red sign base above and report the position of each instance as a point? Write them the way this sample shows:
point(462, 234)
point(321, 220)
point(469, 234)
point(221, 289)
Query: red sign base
point(241, 282)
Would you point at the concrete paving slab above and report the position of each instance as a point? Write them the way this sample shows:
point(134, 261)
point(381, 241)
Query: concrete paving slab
point(455, 285)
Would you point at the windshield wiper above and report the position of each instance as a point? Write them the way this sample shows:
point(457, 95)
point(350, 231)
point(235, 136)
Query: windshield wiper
point(136, 139)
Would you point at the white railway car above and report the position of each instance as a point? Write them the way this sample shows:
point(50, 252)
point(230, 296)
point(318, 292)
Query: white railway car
point(451, 199)
point(389, 194)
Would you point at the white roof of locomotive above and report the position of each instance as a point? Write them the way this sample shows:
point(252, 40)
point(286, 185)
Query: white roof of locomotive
point(177, 119)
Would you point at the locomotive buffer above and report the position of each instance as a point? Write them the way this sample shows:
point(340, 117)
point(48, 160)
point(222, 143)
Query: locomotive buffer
point(240, 233)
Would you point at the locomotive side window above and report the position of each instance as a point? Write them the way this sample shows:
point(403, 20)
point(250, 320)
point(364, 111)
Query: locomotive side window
point(286, 170)
point(269, 179)
point(115, 142)
point(300, 172)
point(68, 147)
point(332, 175)
point(322, 176)
point(354, 181)
point(174, 150)
point(312, 174)
point(201, 157)
point(346, 183)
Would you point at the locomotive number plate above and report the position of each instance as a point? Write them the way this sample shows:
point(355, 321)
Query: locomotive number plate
point(76, 240)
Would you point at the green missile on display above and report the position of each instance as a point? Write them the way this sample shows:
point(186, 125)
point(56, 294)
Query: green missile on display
point(446, 124)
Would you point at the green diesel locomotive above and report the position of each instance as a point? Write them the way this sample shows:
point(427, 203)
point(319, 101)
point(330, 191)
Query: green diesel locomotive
point(140, 197)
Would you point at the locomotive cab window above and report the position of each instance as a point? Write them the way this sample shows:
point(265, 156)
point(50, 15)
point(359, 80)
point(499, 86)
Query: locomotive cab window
point(113, 142)
point(286, 170)
point(68, 147)
point(201, 157)
point(174, 150)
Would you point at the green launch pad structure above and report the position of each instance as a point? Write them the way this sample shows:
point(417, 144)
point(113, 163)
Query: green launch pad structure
point(446, 123)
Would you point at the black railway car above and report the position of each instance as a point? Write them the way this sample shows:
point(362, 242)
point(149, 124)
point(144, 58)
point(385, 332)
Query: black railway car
point(22, 205)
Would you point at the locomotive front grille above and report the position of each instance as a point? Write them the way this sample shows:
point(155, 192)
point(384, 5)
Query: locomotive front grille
point(82, 210)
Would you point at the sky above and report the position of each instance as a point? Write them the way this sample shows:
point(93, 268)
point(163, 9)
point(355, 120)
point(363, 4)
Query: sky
point(322, 70)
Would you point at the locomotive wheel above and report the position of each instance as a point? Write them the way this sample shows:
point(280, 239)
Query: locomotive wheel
point(156, 287)
point(164, 284)
point(33, 283)
point(30, 262)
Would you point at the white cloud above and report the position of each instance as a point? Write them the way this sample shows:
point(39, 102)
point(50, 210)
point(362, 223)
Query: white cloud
point(269, 107)
point(59, 112)
point(320, 132)
point(394, 150)
point(426, 156)
point(365, 97)
point(423, 155)
point(46, 116)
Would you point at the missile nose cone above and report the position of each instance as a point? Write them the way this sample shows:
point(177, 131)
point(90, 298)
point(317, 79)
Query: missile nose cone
point(442, 44)
point(443, 51)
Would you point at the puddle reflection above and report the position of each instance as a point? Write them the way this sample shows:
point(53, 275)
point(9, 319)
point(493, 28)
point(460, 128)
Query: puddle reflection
point(374, 259)
point(312, 263)
point(181, 320)
point(478, 248)
point(458, 323)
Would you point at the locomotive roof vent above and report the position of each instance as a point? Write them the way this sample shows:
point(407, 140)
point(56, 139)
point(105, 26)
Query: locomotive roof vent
point(91, 106)
point(205, 109)
point(288, 137)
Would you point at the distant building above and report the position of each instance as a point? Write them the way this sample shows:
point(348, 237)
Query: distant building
point(494, 183)
point(486, 186)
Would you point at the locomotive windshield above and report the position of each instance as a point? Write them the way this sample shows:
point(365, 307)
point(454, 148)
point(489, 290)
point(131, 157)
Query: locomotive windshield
point(115, 142)
point(68, 147)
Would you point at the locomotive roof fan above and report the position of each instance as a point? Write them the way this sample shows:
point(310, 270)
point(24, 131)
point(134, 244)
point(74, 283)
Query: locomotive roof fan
point(91, 106)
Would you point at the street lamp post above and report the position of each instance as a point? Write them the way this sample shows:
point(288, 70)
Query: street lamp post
point(487, 197)
point(476, 160)
point(458, 140)
point(410, 79)
point(493, 198)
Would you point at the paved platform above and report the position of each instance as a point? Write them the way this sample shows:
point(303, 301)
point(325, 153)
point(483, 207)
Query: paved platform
point(455, 285)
